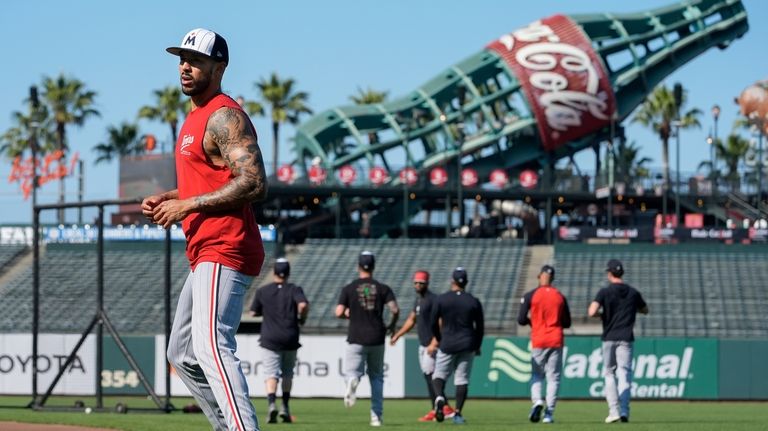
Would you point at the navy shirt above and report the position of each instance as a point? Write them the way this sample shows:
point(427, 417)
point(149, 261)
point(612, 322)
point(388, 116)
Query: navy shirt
point(463, 322)
point(422, 309)
point(620, 303)
point(278, 303)
point(365, 298)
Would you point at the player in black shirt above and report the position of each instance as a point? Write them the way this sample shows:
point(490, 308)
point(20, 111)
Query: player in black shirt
point(458, 326)
point(362, 302)
point(284, 307)
point(620, 304)
point(420, 317)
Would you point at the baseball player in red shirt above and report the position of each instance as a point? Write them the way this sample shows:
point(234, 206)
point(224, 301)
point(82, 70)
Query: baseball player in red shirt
point(546, 310)
point(220, 172)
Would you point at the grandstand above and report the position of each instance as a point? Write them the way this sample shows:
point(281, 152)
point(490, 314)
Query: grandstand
point(133, 286)
point(695, 290)
point(323, 267)
point(9, 254)
point(708, 290)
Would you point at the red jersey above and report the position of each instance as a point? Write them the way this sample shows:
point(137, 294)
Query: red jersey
point(549, 314)
point(231, 237)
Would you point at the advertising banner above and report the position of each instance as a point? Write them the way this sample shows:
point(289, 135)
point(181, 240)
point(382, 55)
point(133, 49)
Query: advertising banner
point(117, 376)
point(319, 371)
point(664, 368)
point(53, 350)
point(649, 234)
point(20, 235)
point(563, 78)
point(583, 233)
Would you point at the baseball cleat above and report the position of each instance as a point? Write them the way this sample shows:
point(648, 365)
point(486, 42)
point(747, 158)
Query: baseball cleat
point(535, 413)
point(448, 411)
point(458, 419)
point(272, 415)
point(547, 417)
point(349, 396)
point(429, 417)
point(612, 419)
point(286, 416)
point(439, 405)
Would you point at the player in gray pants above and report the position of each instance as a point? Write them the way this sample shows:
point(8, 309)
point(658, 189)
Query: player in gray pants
point(201, 349)
point(362, 302)
point(620, 304)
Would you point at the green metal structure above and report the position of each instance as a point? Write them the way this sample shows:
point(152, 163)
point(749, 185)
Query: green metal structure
point(556, 87)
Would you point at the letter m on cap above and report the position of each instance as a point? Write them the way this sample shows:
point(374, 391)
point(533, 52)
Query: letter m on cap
point(190, 40)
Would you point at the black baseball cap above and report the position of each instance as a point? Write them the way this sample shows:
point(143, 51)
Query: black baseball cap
point(282, 267)
point(460, 276)
point(367, 260)
point(205, 42)
point(615, 267)
point(549, 270)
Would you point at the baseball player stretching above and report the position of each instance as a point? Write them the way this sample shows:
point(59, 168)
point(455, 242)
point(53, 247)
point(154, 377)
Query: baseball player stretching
point(220, 172)
point(546, 310)
point(459, 326)
point(419, 317)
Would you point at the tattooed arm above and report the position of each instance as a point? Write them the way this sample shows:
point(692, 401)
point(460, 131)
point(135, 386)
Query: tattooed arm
point(229, 140)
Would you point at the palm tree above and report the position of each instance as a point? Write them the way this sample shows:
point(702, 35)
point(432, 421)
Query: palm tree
point(123, 140)
point(658, 113)
point(252, 107)
point(69, 102)
point(629, 166)
point(16, 140)
point(170, 108)
point(731, 152)
point(368, 96)
point(285, 104)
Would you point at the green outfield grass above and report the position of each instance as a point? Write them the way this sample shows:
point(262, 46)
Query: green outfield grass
point(401, 415)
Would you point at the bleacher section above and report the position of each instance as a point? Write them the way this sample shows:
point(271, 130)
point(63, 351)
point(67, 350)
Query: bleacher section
point(9, 253)
point(323, 267)
point(133, 288)
point(708, 290)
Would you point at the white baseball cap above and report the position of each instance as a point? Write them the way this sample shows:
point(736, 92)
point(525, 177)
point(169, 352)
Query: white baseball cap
point(204, 42)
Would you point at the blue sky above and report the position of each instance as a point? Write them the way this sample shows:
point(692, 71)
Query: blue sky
point(329, 47)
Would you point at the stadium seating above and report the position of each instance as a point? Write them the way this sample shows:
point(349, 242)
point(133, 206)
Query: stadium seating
point(323, 267)
point(8, 253)
point(692, 290)
point(133, 287)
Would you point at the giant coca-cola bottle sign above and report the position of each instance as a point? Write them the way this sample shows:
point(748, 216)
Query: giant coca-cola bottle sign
point(563, 78)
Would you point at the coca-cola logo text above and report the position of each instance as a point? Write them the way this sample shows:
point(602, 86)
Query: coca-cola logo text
point(562, 77)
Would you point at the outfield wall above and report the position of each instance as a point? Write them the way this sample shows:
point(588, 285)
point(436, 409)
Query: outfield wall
point(665, 368)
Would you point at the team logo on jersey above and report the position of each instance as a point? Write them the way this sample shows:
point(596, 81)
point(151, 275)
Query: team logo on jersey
point(186, 141)
point(366, 296)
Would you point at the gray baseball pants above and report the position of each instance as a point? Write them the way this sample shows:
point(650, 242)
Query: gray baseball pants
point(202, 345)
point(546, 363)
point(617, 366)
point(368, 359)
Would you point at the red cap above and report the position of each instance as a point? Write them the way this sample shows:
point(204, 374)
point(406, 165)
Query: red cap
point(421, 276)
